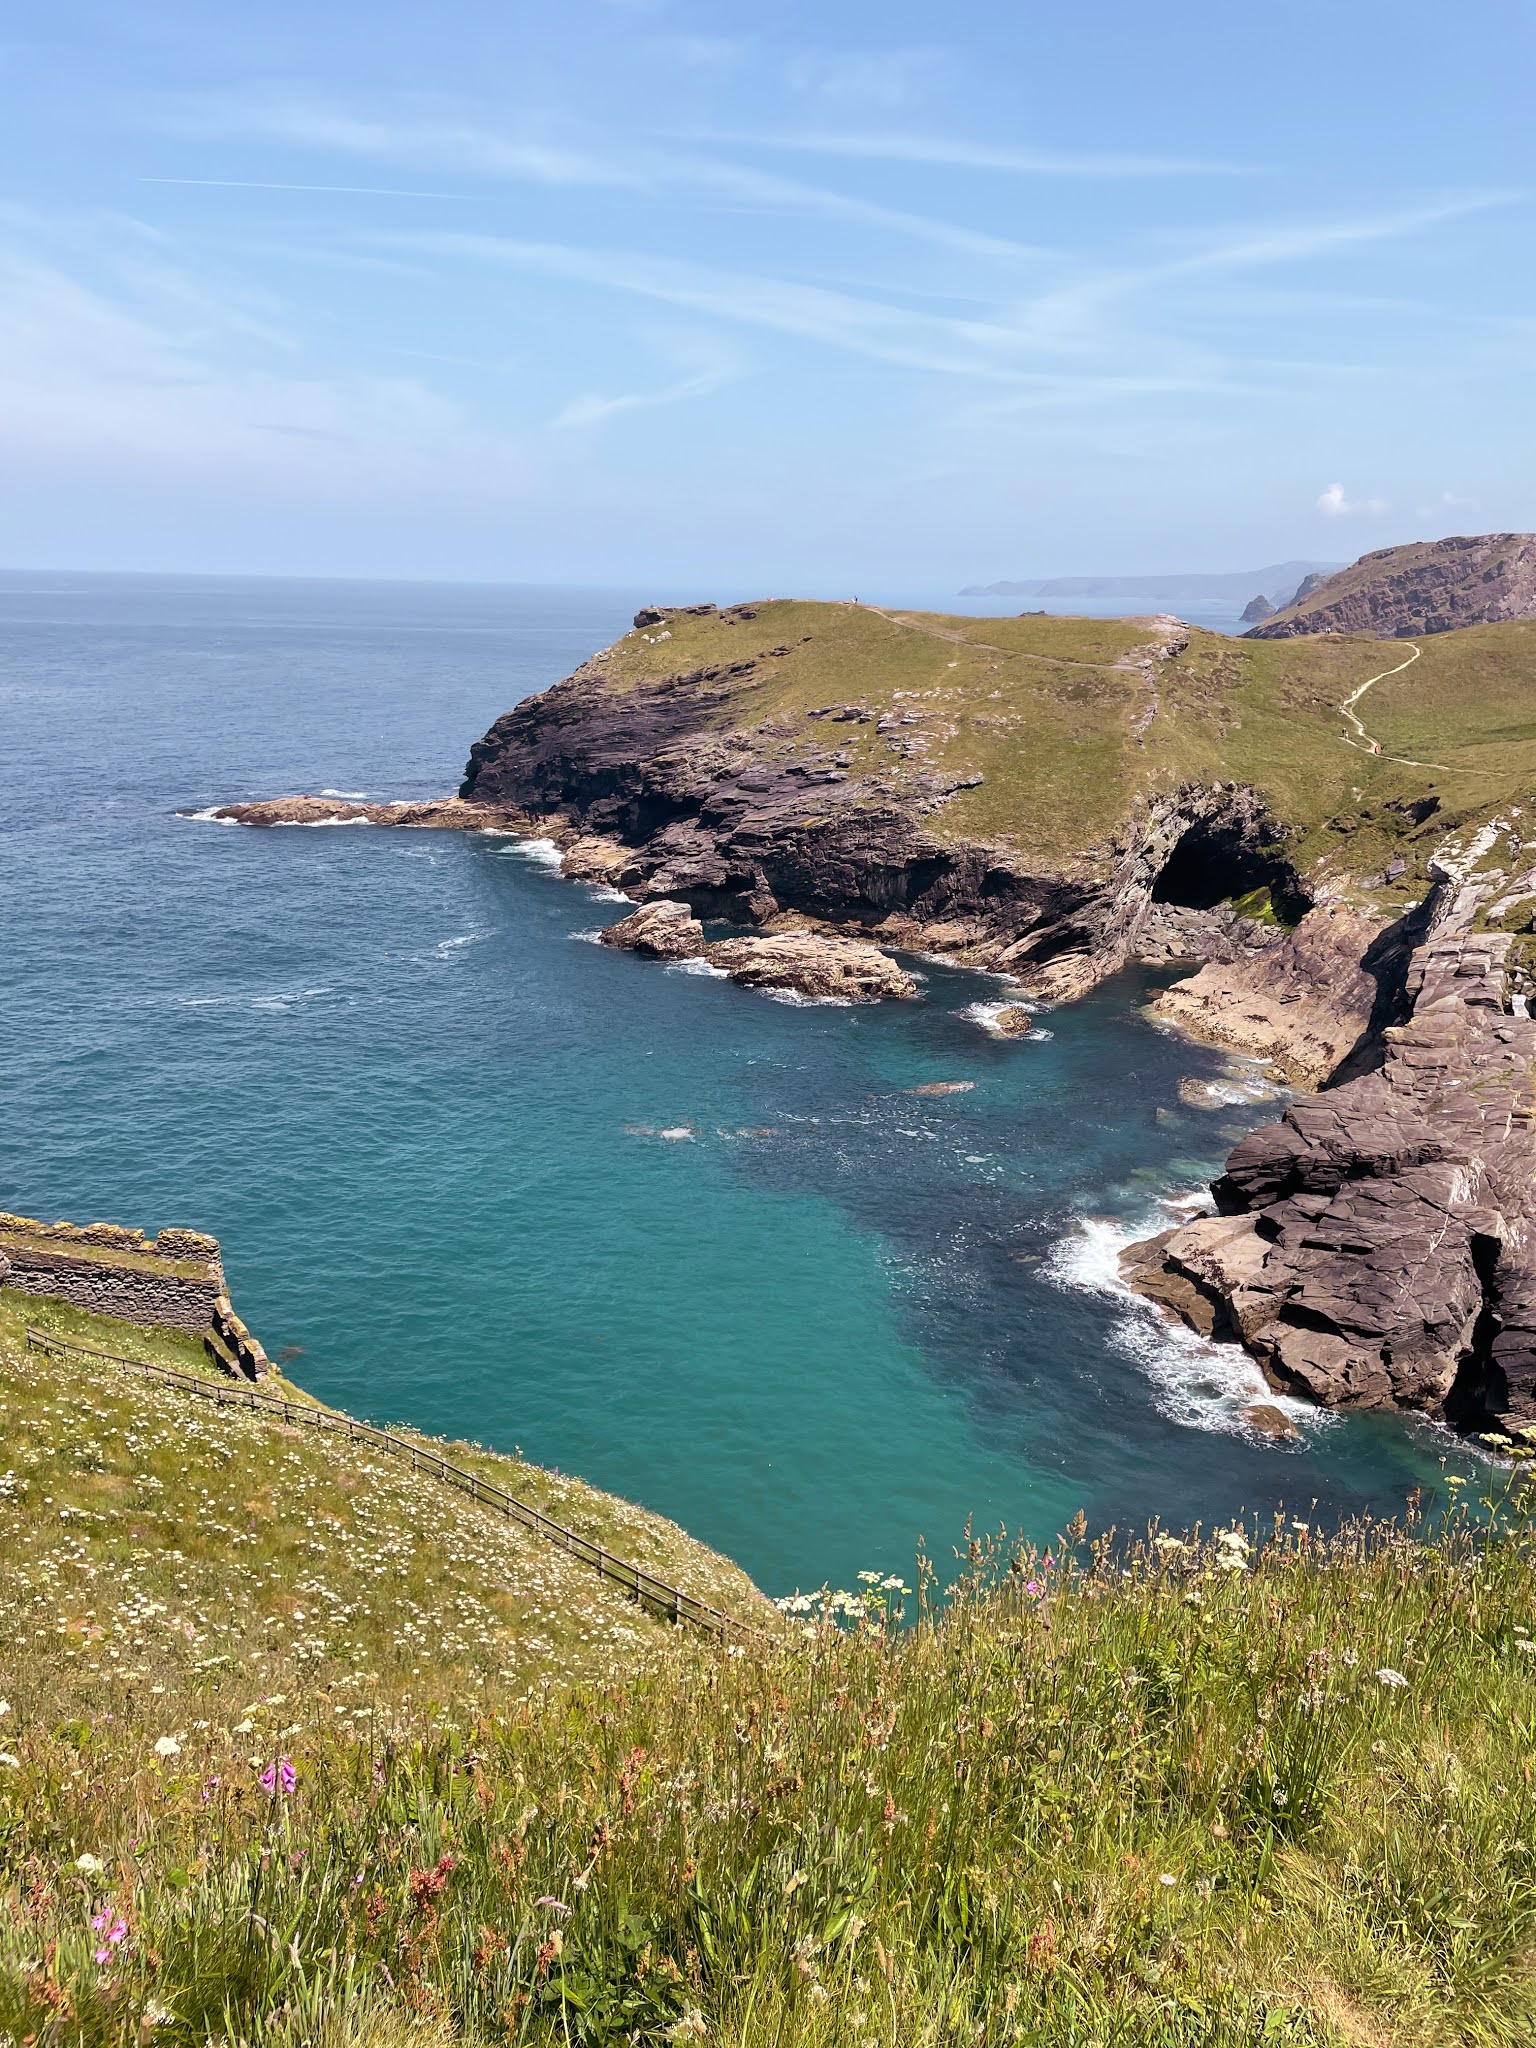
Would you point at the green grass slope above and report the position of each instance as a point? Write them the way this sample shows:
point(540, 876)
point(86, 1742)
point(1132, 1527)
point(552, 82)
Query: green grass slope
point(1069, 728)
point(279, 1765)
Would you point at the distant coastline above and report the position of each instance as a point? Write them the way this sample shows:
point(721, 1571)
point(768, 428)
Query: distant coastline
point(1279, 580)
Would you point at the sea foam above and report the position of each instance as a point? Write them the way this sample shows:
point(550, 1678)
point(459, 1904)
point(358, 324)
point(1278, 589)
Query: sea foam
point(1197, 1383)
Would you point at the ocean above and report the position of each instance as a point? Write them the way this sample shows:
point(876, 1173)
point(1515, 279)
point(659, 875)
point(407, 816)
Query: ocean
point(473, 1171)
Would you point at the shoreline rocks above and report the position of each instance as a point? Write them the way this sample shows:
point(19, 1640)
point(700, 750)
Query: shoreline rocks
point(662, 930)
point(822, 967)
point(1376, 1248)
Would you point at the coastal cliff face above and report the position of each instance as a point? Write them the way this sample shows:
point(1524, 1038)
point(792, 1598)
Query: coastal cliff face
point(1426, 587)
point(841, 811)
point(1377, 1246)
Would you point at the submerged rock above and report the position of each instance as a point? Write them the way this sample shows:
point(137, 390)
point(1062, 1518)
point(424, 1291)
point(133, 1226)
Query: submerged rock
point(660, 931)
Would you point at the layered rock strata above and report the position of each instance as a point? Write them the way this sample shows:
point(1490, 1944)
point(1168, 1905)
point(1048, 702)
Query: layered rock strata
point(1377, 1247)
point(688, 804)
point(1423, 587)
point(1307, 1003)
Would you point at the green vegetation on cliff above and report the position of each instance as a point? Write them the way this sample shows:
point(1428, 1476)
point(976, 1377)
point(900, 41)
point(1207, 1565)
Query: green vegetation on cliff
point(298, 1752)
point(1069, 722)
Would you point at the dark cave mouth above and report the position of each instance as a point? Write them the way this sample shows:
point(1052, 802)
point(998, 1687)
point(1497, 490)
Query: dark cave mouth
point(1216, 862)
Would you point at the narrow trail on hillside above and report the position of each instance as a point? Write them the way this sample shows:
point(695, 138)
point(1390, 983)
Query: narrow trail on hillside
point(1363, 740)
point(987, 646)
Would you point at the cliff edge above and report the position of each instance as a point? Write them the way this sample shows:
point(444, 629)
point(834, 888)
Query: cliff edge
point(1425, 587)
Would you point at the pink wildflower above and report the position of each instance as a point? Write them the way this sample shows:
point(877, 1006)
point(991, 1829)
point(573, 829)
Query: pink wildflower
point(102, 1955)
point(279, 1776)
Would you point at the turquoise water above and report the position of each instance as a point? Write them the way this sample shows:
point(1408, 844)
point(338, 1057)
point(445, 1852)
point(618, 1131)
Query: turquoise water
point(422, 1111)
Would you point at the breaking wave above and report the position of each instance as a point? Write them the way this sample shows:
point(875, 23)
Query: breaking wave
point(1197, 1383)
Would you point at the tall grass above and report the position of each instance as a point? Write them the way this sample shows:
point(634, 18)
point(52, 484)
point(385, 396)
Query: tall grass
point(1232, 1791)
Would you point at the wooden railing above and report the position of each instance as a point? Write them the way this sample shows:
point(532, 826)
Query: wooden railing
point(651, 1593)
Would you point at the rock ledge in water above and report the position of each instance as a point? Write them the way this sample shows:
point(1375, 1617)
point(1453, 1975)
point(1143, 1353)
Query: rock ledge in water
point(815, 965)
point(663, 930)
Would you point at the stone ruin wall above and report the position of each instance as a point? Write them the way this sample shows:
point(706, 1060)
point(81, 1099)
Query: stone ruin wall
point(173, 1282)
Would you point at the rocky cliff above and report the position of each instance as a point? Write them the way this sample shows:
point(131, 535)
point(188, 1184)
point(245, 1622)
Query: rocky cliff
point(1377, 1246)
point(743, 789)
point(1426, 587)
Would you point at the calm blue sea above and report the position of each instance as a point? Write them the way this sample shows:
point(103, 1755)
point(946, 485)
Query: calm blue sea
point(421, 1109)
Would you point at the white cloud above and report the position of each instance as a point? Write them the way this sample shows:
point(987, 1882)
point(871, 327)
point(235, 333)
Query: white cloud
point(1336, 505)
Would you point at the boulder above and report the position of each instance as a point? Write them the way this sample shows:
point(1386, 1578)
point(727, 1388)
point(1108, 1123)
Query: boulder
point(662, 930)
point(813, 964)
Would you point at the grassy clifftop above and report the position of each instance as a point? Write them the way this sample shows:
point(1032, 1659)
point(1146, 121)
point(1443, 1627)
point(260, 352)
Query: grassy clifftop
point(1070, 721)
point(279, 1764)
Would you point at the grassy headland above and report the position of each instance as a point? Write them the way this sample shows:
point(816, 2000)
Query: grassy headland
point(1054, 715)
point(296, 1751)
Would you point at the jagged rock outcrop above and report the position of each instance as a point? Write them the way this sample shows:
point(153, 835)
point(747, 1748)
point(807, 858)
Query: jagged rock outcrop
point(1425, 587)
point(1376, 1248)
point(813, 964)
point(820, 966)
point(1257, 609)
point(659, 931)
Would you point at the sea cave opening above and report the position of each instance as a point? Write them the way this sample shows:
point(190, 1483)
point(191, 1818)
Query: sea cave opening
point(1221, 860)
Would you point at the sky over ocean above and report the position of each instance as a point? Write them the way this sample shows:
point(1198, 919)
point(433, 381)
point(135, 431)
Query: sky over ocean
point(759, 300)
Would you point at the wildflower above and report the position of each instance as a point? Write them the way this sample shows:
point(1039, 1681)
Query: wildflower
point(894, 1586)
point(553, 1905)
point(279, 1776)
point(690, 2027)
point(11, 1763)
point(1167, 1878)
point(1525, 1643)
point(870, 1578)
point(1167, 1544)
point(1391, 1679)
point(5, 1708)
point(167, 1745)
point(89, 1864)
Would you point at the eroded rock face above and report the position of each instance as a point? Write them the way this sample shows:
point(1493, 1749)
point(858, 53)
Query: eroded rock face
point(1303, 1003)
point(1375, 1247)
point(813, 964)
point(710, 811)
point(660, 931)
point(1423, 587)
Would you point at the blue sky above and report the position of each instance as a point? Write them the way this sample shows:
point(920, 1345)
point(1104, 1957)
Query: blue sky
point(821, 298)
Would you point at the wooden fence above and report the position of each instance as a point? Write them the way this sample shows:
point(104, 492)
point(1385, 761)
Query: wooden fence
point(651, 1593)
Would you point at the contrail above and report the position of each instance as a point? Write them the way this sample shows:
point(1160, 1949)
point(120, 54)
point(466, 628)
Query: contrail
point(266, 185)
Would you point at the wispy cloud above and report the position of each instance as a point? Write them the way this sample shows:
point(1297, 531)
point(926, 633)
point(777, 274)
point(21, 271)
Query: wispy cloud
point(1336, 504)
point(975, 156)
point(883, 78)
point(991, 351)
point(590, 410)
point(486, 153)
point(273, 185)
